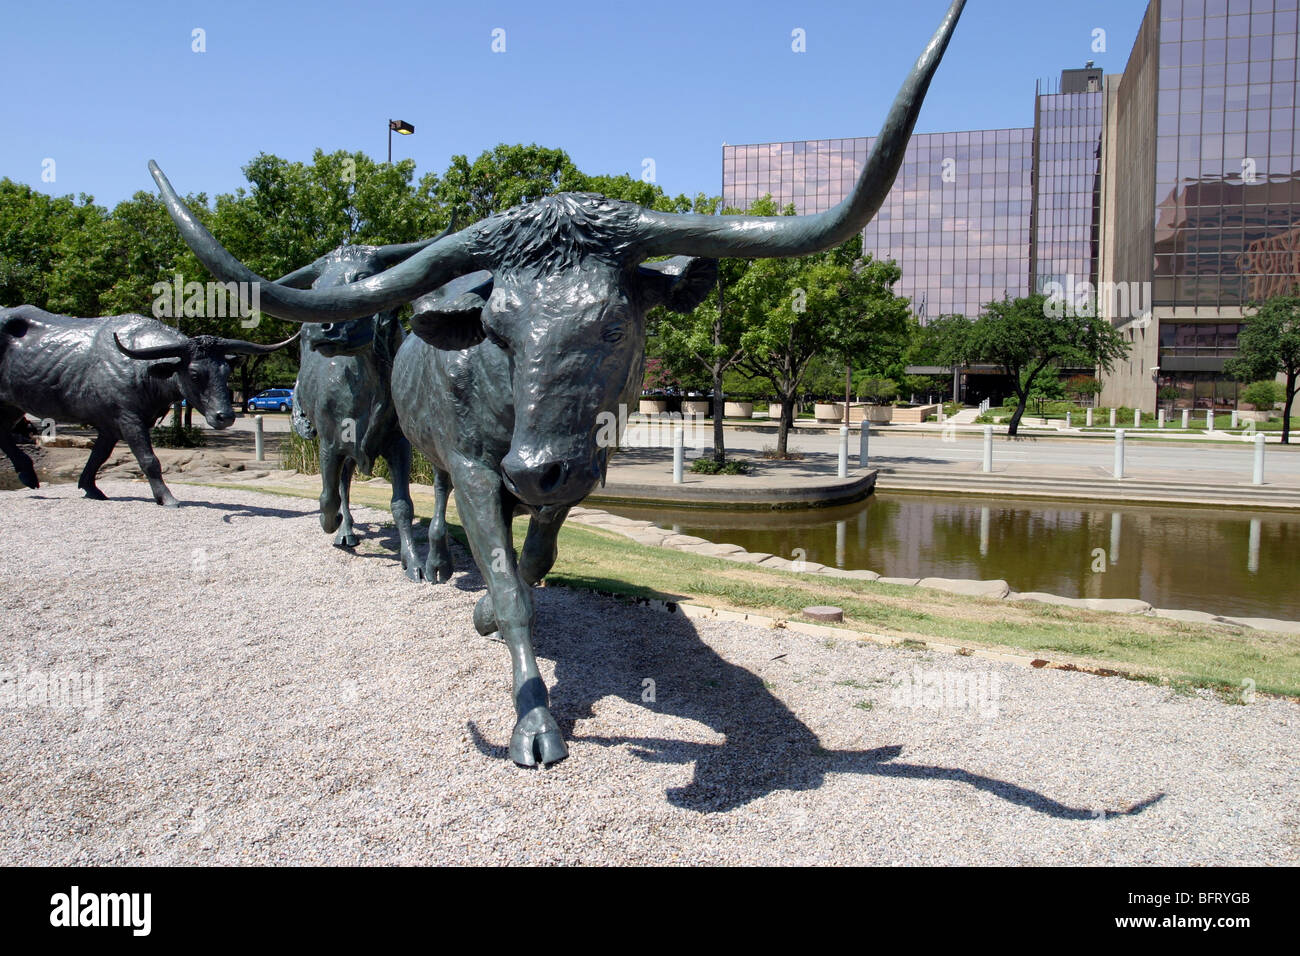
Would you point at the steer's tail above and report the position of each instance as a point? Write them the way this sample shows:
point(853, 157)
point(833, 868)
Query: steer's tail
point(301, 423)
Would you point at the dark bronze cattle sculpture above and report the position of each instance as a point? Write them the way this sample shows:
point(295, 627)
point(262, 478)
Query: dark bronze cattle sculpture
point(119, 374)
point(530, 331)
point(344, 395)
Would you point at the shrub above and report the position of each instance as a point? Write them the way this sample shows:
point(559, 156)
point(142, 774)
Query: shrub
point(303, 456)
point(169, 436)
point(1263, 395)
point(732, 466)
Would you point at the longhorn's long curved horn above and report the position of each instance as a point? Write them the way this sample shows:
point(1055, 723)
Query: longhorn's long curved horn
point(438, 263)
point(771, 236)
point(385, 256)
point(391, 255)
point(304, 277)
point(240, 347)
point(179, 350)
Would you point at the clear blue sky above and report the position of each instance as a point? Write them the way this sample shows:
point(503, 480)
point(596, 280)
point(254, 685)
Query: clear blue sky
point(103, 87)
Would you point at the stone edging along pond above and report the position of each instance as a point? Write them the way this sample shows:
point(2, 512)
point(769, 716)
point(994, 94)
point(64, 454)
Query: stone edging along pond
point(645, 532)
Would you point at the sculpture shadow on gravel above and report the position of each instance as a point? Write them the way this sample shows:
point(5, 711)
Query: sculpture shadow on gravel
point(767, 747)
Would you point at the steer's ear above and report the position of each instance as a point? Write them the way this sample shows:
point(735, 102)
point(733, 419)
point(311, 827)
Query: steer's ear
point(451, 316)
point(679, 284)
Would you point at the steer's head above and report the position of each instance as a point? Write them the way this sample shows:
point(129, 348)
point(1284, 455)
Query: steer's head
point(569, 314)
point(200, 367)
point(561, 285)
point(346, 264)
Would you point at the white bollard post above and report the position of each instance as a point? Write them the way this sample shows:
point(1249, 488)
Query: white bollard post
point(1119, 453)
point(988, 449)
point(1068, 419)
point(1137, 418)
point(1209, 420)
point(1160, 418)
point(1112, 418)
point(844, 451)
point(258, 441)
point(1088, 418)
point(863, 437)
point(1234, 419)
point(679, 454)
point(1187, 418)
point(1259, 459)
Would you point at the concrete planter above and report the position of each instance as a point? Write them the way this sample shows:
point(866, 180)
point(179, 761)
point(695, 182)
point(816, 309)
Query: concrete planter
point(915, 416)
point(878, 413)
point(653, 406)
point(738, 410)
point(828, 412)
point(702, 408)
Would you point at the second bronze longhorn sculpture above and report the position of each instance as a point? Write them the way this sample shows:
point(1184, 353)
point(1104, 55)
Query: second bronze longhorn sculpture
point(344, 395)
point(530, 326)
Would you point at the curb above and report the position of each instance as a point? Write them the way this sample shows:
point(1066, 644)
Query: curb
point(816, 494)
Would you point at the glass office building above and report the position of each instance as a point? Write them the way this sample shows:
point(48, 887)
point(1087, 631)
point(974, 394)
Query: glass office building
point(1181, 175)
point(956, 222)
point(1066, 232)
point(1227, 181)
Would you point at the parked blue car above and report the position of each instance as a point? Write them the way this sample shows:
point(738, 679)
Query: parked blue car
point(271, 400)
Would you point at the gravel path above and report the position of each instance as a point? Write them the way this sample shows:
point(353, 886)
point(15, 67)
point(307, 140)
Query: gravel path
point(267, 698)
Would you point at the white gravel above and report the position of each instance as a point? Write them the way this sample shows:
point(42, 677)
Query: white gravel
point(271, 699)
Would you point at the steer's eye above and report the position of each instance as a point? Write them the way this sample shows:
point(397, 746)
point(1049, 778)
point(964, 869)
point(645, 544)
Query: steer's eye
point(612, 333)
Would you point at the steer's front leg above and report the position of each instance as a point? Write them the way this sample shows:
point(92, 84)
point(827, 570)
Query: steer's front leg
point(486, 513)
point(136, 435)
point(398, 456)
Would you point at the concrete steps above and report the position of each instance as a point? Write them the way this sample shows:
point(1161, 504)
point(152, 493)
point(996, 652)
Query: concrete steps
point(1133, 490)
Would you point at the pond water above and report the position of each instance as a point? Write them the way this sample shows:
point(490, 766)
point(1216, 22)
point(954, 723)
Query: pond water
point(1222, 561)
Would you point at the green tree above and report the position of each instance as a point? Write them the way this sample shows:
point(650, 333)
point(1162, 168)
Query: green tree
point(33, 226)
point(1269, 345)
point(1025, 336)
point(707, 338)
point(835, 302)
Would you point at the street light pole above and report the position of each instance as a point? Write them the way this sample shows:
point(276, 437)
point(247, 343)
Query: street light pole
point(399, 126)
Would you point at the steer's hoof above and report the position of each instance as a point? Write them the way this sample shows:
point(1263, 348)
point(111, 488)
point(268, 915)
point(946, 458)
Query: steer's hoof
point(29, 479)
point(485, 618)
point(438, 567)
point(94, 494)
point(345, 539)
point(413, 571)
point(330, 522)
point(537, 740)
point(437, 571)
point(168, 501)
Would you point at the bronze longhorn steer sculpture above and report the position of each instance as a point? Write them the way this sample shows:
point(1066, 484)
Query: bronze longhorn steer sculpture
point(344, 395)
point(119, 374)
point(530, 330)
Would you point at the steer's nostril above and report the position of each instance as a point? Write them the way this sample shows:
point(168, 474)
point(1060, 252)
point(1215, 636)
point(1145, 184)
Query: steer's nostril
point(550, 478)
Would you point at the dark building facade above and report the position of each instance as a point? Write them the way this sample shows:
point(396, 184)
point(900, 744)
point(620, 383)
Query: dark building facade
point(1207, 104)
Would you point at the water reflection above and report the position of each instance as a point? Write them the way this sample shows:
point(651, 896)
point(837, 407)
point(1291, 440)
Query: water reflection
point(1212, 560)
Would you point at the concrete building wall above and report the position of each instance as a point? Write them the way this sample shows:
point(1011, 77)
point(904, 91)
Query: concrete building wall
point(1128, 224)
